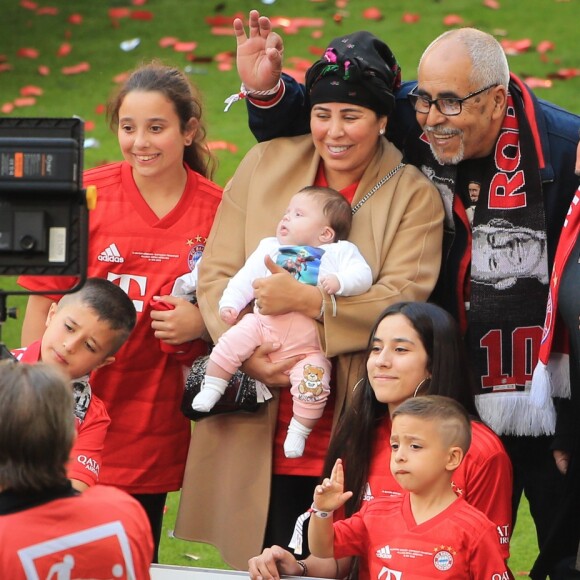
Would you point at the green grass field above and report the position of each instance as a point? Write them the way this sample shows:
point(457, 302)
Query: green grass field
point(93, 35)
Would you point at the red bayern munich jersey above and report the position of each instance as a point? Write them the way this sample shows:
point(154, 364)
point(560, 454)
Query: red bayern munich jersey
point(147, 441)
point(459, 543)
point(484, 478)
point(101, 533)
point(86, 454)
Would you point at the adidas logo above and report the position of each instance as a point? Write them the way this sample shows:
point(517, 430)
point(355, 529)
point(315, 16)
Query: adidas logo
point(384, 552)
point(368, 494)
point(111, 254)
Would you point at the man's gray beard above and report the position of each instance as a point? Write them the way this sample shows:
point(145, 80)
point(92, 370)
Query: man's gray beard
point(455, 160)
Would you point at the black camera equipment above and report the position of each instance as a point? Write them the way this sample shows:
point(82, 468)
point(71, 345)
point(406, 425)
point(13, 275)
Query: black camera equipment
point(43, 207)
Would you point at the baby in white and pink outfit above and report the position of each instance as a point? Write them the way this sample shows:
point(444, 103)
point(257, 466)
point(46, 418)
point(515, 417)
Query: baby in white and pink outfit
point(311, 244)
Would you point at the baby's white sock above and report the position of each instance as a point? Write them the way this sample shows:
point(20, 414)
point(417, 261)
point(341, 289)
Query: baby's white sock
point(211, 392)
point(295, 439)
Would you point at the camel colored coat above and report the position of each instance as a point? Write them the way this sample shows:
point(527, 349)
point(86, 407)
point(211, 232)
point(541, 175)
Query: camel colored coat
point(225, 494)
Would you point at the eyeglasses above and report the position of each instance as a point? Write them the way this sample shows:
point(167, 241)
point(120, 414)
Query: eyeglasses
point(448, 106)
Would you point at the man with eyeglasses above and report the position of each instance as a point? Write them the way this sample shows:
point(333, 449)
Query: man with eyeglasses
point(467, 119)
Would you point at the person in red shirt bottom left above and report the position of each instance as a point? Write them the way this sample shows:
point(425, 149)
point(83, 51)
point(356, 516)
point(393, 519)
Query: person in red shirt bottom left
point(48, 529)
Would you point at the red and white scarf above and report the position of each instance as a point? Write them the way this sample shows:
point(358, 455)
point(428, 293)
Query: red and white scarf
point(551, 376)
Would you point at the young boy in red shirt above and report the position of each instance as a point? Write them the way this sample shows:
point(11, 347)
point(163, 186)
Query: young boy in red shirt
point(83, 332)
point(429, 532)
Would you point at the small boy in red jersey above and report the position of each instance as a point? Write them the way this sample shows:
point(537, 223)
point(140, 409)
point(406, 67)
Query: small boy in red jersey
point(83, 332)
point(429, 532)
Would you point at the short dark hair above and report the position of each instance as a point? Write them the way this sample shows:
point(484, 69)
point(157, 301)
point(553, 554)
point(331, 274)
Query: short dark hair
point(37, 427)
point(335, 207)
point(110, 304)
point(451, 415)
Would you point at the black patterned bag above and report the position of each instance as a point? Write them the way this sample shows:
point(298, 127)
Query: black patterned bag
point(240, 395)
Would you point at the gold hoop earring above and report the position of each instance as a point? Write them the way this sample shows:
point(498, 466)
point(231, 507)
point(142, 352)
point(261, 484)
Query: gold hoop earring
point(357, 384)
point(420, 385)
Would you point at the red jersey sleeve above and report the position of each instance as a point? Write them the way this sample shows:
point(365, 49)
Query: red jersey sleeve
point(488, 484)
point(350, 535)
point(487, 560)
point(86, 455)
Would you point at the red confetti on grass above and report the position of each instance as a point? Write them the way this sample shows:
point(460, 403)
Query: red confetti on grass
point(410, 18)
point(43, 70)
point(100, 109)
point(75, 19)
point(301, 64)
point(89, 125)
point(317, 34)
point(372, 13)
point(76, 69)
point(184, 46)
point(544, 46)
point(141, 15)
point(7, 108)
point(64, 49)
point(513, 47)
point(222, 146)
point(306, 22)
point(31, 91)
point(221, 20)
point(199, 58)
point(47, 11)
point(538, 83)
point(222, 31)
point(24, 102)
point(121, 78)
point(138, 2)
point(316, 50)
point(452, 20)
point(493, 4)
point(5, 66)
point(225, 60)
point(119, 13)
point(28, 5)
point(27, 53)
point(168, 41)
point(567, 73)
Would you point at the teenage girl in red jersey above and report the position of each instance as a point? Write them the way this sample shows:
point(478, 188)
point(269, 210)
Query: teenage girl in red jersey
point(154, 212)
point(415, 348)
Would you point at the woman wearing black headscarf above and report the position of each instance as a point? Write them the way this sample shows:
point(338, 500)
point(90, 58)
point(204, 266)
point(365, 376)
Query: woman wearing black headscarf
point(240, 492)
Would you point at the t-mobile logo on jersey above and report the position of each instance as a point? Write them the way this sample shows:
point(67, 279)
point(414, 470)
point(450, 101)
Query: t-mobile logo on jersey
point(388, 574)
point(127, 283)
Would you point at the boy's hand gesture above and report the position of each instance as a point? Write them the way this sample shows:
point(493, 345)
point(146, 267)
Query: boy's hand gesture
point(330, 494)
